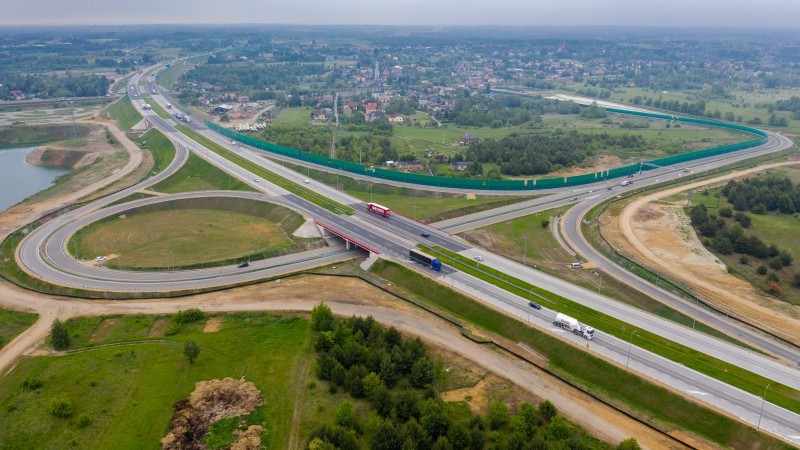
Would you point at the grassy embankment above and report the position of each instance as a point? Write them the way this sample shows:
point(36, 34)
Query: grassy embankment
point(198, 175)
point(126, 392)
point(654, 404)
point(27, 136)
point(190, 233)
point(544, 253)
point(161, 112)
point(13, 323)
point(278, 180)
point(427, 206)
point(783, 396)
point(125, 114)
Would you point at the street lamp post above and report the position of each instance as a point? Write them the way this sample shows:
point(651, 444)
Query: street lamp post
point(630, 344)
point(763, 400)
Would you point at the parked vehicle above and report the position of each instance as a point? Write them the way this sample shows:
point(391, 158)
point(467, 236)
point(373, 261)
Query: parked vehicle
point(426, 260)
point(378, 209)
point(576, 265)
point(570, 324)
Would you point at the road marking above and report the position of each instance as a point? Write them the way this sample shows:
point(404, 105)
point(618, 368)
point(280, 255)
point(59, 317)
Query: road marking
point(697, 392)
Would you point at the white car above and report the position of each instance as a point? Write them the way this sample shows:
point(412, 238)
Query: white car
point(100, 258)
point(256, 180)
point(306, 181)
point(479, 258)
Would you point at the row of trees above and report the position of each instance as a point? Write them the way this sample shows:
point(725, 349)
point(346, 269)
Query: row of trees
point(504, 110)
point(52, 86)
point(394, 375)
point(763, 194)
point(543, 153)
point(247, 76)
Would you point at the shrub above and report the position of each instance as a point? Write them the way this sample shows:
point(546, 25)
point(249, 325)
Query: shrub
point(776, 263)
point(629, 444)
point(761, 270)
point(59, 336)
point(322, 318)
point(773, 277)
point(172, 329)
point(545, 223)
point(345, 415)
point(744, 259)
point(774, 287)
point(191, 350)
point(32, 383)
point(84, 420)
point(796, 282)
point(726, 212)
point(61, 407)
point(191, 315)
point(498, 414)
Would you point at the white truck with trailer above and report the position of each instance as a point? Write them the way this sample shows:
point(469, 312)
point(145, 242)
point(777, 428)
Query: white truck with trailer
point(571, 324)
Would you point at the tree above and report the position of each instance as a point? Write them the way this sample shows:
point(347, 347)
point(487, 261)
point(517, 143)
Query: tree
point(61, 407)
point(59, 336)
point(191, 350)
point(559, 428)
point(629, 444)
point(372, 382)
point(322, 317)
point(421, 372)
point(345, 415)
point(405, 404)
point(498, 414)
point(547, 410)
point(434, 418)
point(388, 437)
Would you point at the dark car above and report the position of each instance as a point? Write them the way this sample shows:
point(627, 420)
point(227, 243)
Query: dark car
point(243, 264)
point(534, 305)
point(425, 235)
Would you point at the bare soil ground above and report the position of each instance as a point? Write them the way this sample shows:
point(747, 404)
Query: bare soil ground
point(660, 235)
point(213, 324)
point(102, 330)
point(159, 326)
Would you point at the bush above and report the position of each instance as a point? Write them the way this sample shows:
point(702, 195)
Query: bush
point(776, 263)
point(172, 329)
point(322, 318)
point(744, 259)
point(773, 277)
point(796, 282)
point(32, 384)
point(61, 407)
point(726, 212)
point(345, 415)
point(761, 270)
point(59, 336)
point(545, 223)
point(498, 414)
point(191, 315)
point(84, 420)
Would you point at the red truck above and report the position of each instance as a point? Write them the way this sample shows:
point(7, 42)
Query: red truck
point(378, 209)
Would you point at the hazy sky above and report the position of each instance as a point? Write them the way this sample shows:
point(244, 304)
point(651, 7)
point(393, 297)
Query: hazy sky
point(720, 13)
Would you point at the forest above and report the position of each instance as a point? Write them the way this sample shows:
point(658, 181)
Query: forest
point(247, 77)
point(52, 86)
point(397, 378)
point(763, 194)
point(504, 110)
point(534, 154)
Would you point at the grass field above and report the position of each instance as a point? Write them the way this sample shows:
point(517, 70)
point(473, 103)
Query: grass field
point(293, 116)
point(127, 392)
point(784, 396)
point(13, 323)
point(656, 403)
point(160, 147)
point(178, 238)
point(21, 136)
point(125, 114)
point(198, 175)
point(278, 180)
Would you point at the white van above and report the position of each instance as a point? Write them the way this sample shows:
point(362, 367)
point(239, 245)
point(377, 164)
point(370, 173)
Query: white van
point(576, 265)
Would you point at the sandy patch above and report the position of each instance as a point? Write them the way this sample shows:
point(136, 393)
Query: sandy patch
point(213, 324)
point(159, 326)
point(661, 236)
point(476, 397)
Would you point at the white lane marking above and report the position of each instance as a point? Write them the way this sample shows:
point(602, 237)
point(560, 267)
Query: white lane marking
point(697, 392)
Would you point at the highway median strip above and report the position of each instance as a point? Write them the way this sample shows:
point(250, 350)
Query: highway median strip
point(781, 395)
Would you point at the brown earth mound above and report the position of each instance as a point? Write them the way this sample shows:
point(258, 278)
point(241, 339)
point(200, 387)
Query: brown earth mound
point(211, 401)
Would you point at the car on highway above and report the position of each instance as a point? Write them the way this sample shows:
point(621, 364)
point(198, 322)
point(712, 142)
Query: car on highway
point(425, 234)
point(306, 181)
point(534, 305)
point(100, 258)
point(574, 199)
point(479, 258)
point(256, 180)
point(243, 264)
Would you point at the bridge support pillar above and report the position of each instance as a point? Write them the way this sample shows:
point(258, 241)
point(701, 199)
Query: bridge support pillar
point(347, 243)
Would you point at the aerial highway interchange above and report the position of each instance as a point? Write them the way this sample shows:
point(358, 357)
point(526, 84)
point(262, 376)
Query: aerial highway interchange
point(43, 254)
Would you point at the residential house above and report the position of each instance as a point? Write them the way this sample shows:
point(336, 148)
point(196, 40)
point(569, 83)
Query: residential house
point(395, 118)
point(468, 139)
point(458, 166)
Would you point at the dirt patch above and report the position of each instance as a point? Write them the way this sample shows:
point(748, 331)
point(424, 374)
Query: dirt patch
point(159, 326)
point(666, 242)
point(476, 397)
point(60, 157)
point(102, 330)
point(213, 324)
point(209, 402)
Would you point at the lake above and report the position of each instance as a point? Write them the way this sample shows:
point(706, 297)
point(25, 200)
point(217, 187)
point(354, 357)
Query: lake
point(19, 180)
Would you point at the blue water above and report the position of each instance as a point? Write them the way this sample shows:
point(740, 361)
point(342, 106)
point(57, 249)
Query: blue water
point(19, 180)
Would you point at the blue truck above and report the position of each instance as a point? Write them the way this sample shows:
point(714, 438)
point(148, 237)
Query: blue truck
point(426, 260)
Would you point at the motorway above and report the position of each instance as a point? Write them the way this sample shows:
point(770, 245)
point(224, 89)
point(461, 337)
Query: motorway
point(43, 253)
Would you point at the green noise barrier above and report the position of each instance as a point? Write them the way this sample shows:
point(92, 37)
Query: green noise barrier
point(512, 185)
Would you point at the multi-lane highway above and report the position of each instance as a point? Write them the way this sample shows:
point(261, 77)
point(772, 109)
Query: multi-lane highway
point(43, 254)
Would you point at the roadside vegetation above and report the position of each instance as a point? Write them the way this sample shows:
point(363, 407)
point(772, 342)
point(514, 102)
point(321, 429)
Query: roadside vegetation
point(785, 396)
point(31, 135)
point(647, 401)
point(198, 175)
point(125, 114)
point(13, 323)
point(160, 147)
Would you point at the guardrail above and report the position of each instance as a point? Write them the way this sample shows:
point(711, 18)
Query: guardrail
point(512, 185)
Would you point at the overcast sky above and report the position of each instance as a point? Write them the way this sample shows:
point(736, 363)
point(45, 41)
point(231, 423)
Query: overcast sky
point(718, 13)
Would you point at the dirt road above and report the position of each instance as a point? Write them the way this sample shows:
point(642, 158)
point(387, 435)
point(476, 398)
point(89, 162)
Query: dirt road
point(661, 236)
point(301, 295)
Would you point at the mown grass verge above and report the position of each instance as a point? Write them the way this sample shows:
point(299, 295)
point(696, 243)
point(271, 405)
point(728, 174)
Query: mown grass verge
point(651, 403)
point(783, 396)
point(125, 114)
point(13, 323)
point(160, 147)
point(278, 180)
